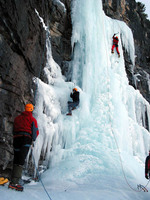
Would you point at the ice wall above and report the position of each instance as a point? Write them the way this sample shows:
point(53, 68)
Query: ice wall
point(51, 98)
point(110, 116)
point(109, 122)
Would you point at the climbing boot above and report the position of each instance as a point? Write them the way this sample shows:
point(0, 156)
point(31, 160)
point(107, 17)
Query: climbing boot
point(16, 174)
point(69, 114)
point(16, 187)
point(112, 51)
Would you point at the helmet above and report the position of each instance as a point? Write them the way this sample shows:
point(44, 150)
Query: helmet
point(29, 107)
point(117, 37)
point(75, 89)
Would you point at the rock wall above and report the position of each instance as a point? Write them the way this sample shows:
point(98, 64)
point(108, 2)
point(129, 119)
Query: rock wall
point(61, 30)
point(22, 44)
point(23, 57)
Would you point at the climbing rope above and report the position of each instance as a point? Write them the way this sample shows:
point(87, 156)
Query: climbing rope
point(123, 167)
point(39, 177)
point(140, 187)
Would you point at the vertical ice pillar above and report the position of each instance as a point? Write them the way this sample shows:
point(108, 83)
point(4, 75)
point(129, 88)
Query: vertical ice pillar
point(88, 44)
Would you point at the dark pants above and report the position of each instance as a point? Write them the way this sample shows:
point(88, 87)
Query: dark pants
point(21, 148)
point(21, 145)
point(72, 105)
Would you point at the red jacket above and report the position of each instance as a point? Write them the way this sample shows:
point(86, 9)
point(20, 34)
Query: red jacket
point(25, 122)
point(115, 40)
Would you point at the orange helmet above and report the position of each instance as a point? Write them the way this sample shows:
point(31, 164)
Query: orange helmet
point(117, 37)
point(29, 107)
point(75, 89)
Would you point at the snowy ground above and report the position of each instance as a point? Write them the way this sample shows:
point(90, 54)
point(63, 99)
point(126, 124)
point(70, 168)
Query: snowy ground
point(104, 188)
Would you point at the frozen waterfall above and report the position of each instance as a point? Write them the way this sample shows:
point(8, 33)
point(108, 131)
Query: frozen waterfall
point(109, 124)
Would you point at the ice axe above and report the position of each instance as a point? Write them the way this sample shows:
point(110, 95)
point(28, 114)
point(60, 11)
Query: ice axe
point(116, 33)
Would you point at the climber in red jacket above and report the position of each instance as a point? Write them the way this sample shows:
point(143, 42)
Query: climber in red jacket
point(147, 166)
point(25, 132)
point(115, 44)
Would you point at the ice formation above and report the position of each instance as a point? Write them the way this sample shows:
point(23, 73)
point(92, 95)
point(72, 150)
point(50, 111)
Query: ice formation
point(110, 123)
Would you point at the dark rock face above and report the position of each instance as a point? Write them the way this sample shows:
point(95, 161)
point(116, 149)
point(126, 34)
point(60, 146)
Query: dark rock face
point(22, 41)
point(23, 56)
point(61, 30)
point(133, 14)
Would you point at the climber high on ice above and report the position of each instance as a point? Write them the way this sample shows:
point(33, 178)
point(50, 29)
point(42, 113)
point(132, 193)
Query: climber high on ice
point(115, 44)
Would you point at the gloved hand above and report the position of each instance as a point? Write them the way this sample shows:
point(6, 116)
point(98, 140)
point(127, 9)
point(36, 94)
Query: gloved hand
point(146, 176)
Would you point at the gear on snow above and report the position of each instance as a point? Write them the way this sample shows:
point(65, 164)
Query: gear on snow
point(3, 181)
point(16, 187)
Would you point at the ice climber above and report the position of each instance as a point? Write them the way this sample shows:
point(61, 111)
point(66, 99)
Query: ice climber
point(25, 131)
point(75, 103)
point(115, 44)
point(147, 166)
